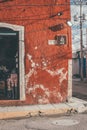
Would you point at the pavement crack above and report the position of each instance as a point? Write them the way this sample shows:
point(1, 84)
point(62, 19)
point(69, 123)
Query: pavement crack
point(31, 128)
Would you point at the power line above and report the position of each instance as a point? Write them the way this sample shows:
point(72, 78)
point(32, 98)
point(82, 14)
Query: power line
point(47, 18)
point(38, 5)
point(31, 17)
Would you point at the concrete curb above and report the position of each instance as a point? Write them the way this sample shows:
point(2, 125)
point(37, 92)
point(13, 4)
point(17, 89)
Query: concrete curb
point(74, 105)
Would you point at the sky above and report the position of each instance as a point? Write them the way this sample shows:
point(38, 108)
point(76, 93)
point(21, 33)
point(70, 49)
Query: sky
point(75, 10)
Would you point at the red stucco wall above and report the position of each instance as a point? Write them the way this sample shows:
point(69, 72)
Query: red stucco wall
point(46, 66)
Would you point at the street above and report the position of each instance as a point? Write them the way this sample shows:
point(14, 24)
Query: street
point(67, 122)
point(79, 89)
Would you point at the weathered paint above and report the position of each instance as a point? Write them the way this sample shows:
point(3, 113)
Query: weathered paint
point(63, 76)
point(46, 65)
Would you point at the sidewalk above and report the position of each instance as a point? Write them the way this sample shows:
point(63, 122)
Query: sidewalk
point(75, 105)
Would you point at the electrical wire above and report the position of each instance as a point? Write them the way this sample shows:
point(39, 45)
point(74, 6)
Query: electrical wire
point(31, 16)
point(37, 5)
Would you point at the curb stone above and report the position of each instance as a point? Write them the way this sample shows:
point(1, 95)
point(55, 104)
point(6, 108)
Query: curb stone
point(74, 106)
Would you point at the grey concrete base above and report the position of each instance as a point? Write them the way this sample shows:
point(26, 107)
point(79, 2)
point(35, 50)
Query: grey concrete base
point(74, 105)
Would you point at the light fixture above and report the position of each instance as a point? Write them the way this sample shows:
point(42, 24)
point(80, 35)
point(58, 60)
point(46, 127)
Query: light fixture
point(60, 13)
point(69, 23)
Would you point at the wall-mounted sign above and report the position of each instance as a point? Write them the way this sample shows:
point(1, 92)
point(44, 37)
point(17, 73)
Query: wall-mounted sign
point(56, 27)
point(51, 42)
point(60, 39)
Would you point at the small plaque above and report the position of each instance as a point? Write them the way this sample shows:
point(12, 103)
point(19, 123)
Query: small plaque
point(51, 42)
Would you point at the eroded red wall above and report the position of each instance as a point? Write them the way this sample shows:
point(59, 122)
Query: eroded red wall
point(46, 66)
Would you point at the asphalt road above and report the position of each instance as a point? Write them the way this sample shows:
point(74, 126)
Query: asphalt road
point(67, 122)
point(79, 89)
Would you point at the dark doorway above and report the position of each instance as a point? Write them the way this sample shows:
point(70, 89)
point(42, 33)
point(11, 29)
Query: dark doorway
point(9, 64)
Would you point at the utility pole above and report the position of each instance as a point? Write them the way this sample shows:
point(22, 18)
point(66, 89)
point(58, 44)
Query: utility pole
point(81, 42)
point(86, 52)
